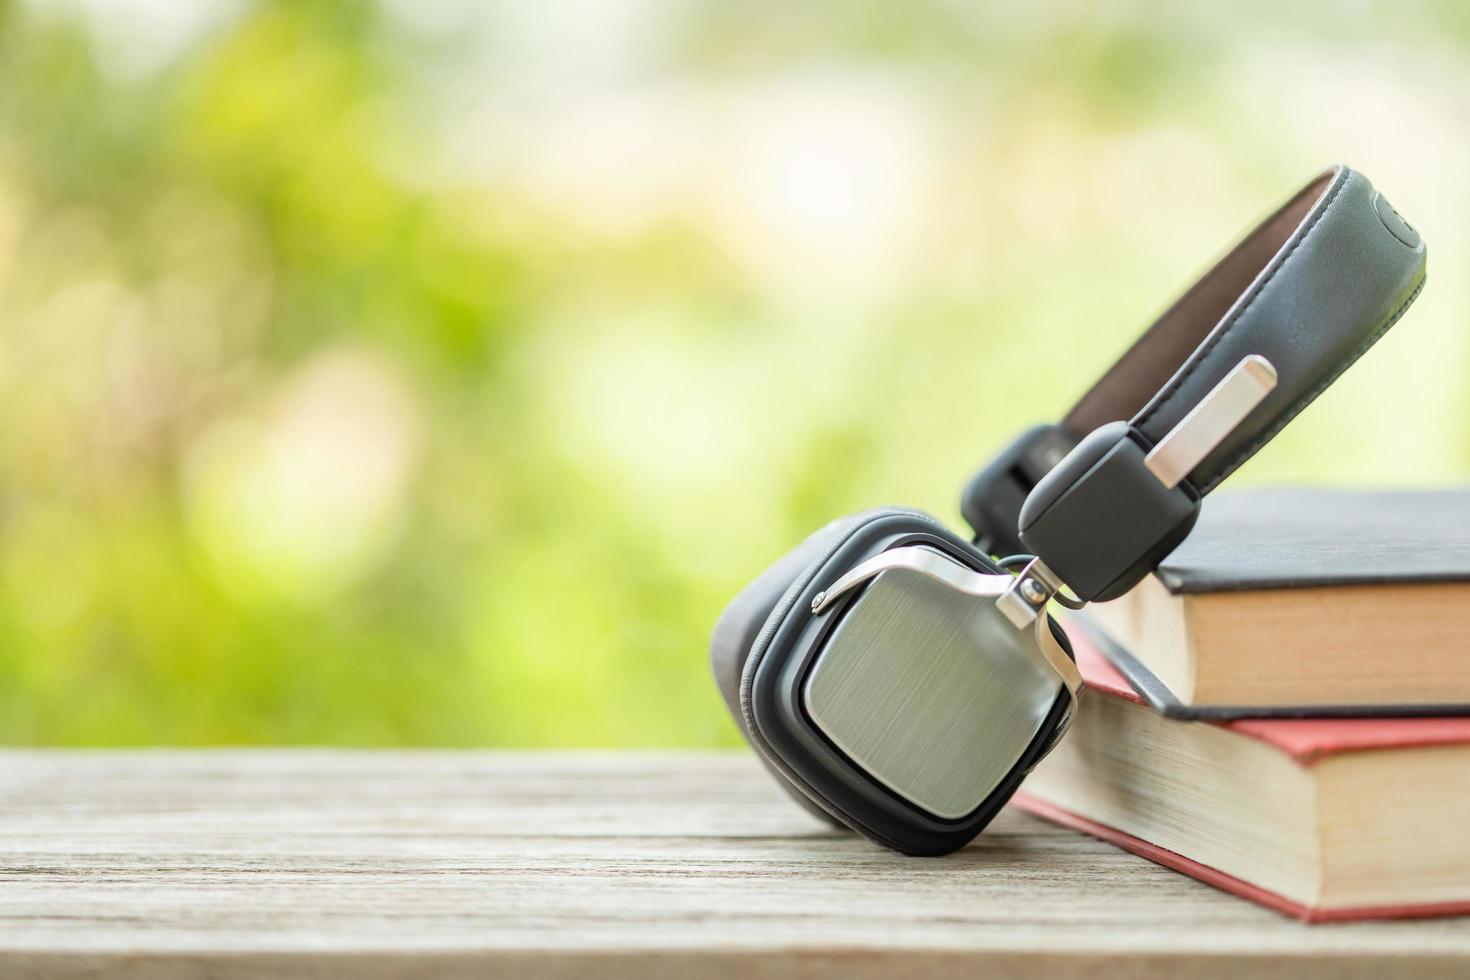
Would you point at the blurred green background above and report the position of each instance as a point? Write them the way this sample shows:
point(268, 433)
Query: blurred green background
point(431, 373)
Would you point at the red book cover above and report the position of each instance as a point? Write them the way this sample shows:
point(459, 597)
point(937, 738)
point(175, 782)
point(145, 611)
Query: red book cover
point(1307, 741)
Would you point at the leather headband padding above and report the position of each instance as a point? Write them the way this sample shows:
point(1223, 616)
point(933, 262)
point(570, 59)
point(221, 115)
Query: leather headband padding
point(1153, 359)
point(1311, 289)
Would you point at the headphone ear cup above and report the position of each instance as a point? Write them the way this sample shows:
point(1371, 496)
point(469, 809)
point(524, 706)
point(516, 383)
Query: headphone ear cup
point(741, 623)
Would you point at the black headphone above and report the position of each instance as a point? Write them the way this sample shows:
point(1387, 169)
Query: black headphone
point(899, 680)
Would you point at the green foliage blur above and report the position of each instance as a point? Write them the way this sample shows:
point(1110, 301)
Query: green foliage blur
point(432, 373)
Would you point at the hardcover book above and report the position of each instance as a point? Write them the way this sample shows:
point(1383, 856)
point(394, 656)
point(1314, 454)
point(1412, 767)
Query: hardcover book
point(1322, 819)
point(1305, 602)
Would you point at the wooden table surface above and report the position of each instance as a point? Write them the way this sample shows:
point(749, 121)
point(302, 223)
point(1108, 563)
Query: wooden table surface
point(256, 863)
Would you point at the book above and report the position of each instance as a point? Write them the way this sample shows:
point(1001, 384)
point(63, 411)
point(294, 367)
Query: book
point(1322, 819)
point(1305, 601)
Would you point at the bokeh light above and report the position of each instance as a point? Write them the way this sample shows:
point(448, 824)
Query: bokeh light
point(432, 372)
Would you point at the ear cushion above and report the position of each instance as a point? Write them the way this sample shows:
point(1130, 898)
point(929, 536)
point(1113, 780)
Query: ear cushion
point(738, 626)
point(741, 623)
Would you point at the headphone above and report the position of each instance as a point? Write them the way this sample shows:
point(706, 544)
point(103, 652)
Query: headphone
point(901, 680)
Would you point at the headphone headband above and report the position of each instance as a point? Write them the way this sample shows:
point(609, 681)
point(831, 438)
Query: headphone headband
point(1309, 290)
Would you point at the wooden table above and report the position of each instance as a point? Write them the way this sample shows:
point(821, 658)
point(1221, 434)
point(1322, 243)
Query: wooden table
point(250, 863)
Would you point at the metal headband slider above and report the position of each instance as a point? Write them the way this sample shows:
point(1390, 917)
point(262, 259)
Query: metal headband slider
point(1216, 416)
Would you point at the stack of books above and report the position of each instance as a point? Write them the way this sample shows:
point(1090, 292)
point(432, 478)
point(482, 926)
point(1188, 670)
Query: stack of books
point(1283, 709)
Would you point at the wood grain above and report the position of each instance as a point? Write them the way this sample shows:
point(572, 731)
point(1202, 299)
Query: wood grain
point(315, 863)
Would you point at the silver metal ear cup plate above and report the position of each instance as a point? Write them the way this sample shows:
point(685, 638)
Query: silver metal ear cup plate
point(931, 691)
